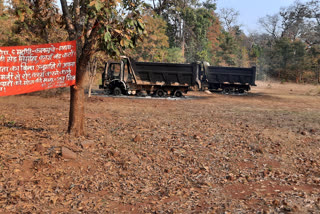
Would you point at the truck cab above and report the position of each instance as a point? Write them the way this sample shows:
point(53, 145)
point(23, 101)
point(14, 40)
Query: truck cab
point(116, 77)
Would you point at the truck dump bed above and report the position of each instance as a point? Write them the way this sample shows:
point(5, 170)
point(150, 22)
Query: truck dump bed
point(231, 75)
point(150, 73)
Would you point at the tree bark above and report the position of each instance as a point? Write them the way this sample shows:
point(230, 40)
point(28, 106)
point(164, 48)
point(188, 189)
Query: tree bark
point(77, 96)
point(92, 68)
point(77, 101)
point(183, 43)
point(76, 113)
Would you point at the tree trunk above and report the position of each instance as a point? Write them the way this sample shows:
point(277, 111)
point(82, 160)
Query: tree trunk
point(77, 96)
point(76, 114)
point(183, 43)
point(318, 68)
point(77, 102)
point(90, 89)
point(92, 68)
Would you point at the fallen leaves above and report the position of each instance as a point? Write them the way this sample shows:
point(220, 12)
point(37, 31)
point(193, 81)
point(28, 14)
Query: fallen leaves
point(216, 154)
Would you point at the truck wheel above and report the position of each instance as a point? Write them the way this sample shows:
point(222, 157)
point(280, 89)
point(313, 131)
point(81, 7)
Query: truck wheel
point(227, 90)
point(160, 93)
point(241, 90)
point(117, 91)
point(178, 93)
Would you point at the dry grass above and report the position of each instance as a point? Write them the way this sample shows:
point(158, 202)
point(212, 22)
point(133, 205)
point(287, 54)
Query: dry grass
point(212, 154)
point(289, 88)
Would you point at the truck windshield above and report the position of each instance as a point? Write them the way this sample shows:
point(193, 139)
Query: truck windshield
point(114, 70)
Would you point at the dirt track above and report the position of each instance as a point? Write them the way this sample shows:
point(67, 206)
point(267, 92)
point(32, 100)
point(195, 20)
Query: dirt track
point(217, 153)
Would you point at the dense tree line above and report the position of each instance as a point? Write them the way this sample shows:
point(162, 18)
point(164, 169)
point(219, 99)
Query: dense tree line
point(288, 49)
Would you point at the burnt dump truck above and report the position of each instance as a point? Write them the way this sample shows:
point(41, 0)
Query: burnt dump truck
point(128, 77)
point(228, 79)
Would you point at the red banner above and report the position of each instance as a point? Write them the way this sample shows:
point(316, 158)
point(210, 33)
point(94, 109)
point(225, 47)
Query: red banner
point(25, 69)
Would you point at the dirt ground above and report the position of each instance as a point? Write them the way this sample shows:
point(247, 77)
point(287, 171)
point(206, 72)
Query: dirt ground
point(212, 153)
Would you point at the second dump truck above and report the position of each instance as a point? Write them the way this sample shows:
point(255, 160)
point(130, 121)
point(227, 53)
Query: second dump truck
point(228, 79)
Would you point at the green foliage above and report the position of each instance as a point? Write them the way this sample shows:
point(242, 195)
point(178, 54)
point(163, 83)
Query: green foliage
point(117, 31)
point(175, 55)
point(197, 22)
point(294, 55)
point(226, 55)
point(255, 51)
point(286, 59)
point(119, 23)
point(154, 46)
point(35, 22)
point(188, 23)
point(6, 22)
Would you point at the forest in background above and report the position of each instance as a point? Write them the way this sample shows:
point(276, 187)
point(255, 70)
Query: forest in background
point(286, 47)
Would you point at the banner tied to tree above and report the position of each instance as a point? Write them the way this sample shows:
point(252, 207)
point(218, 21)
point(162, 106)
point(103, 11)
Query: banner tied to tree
point(25, 69)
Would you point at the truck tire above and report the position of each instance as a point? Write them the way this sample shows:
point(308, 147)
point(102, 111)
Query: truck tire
point(178, 93)
point(241, 90)
point(160, 93)
point(117, 91)
point(227, 90)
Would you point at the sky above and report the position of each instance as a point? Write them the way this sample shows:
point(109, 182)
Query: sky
point(251, 10)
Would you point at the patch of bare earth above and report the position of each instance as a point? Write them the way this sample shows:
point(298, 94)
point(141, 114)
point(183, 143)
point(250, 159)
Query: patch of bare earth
point(214, 154)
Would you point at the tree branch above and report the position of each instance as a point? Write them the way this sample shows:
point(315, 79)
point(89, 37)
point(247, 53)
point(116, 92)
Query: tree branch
point(90, 24)
point(68, 19)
